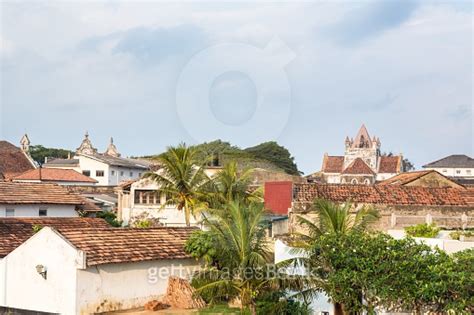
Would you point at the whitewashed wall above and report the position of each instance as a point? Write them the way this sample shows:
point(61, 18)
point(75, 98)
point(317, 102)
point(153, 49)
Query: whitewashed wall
point(126, 285)
point(453, 172)
point(33, 210)
point(24, 288)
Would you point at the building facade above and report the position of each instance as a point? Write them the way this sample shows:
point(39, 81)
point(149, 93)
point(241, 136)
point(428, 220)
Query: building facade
point(458, 167)
point(108, 168)
point(362, 162)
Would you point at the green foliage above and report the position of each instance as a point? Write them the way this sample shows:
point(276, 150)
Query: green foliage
point(201, 245)
point(110, 217)
point(36, 228)
point(396, 275)
point(276, 303)
point(276, 154)
point(456, 235)
point(423, 230)
point(39, 153)
point(142, 224)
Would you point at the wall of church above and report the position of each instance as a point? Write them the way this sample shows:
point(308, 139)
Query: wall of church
point(368, 155)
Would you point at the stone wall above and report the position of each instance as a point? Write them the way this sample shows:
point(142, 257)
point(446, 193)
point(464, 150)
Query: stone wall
point(398, 217)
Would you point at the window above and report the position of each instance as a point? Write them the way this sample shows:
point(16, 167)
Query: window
point(367, 181)
point(468, 171)
point(445, 171)
point(10, 213)
point(112, 173)
point(139, 174)
point(99, 173)
point(43, 212)
point(121, 173)
point(354, 181)
point(87, 173)
point(147, 197)
point(131, 174)
point(458, 171)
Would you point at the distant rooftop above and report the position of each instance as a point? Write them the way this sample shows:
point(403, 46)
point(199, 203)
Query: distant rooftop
point(54, 175)
point(455, 160)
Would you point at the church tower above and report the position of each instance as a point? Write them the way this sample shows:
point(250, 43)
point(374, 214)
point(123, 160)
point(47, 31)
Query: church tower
point(362, 146)
point(112, 149)
point(86, 146)
point(25, 144)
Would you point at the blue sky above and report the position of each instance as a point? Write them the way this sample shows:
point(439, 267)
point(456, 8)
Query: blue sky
point(306, 74)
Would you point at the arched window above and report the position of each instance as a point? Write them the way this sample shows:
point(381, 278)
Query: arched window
point(354, 181)
point(343, 181)
point(367, 181)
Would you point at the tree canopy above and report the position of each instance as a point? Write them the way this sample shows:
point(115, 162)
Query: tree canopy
point(39, 153)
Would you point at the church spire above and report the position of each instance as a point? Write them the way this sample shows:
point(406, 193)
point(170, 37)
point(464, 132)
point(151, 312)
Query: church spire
point(25, 144)
point(112, 149)
point(362, 140)
point(86, 146)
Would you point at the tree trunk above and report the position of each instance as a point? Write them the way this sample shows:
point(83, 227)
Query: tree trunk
point(253, 309)
point(338, 309)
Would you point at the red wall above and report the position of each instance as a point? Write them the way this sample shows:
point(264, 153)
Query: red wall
point(278, 196)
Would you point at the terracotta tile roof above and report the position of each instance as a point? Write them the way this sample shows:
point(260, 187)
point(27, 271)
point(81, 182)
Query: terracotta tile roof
point(408, 177)
point(332, 164)
point(390, 164)
point(359, 167)
point(388, 195)
point(38, 193)
point(15, 231)
point(12, 161)
point(55, 175)
point(117, 245)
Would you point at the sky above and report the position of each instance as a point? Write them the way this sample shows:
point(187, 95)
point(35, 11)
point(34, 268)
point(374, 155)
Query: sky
point(305, 74)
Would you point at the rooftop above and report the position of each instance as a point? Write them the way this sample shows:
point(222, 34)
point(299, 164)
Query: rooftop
point(15, 231)
point(13, 161)
point(117, 245)
point(455, 160)
point(38, 193)
point(54, 175)
point(379, 194)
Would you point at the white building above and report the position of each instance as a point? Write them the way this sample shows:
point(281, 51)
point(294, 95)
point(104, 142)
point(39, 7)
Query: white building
point(459, 167)
point(362, 162)
point(108, 168)
point(81, 270)
point(41, 200)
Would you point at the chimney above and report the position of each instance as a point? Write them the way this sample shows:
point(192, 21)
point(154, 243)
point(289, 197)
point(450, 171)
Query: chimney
point(45, 159)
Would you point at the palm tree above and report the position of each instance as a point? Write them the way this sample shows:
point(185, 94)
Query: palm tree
point(181, 177)
point(331, 218)
point(231, 184)
point(335, 218)
point(244, 253)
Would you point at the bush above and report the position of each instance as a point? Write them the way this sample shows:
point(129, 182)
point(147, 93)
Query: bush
point(276, 303)
point(144, 221)
point(110, 217)
point(456, 235)
point(423, 230)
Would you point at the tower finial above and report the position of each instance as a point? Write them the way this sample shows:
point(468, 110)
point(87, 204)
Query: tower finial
point(86, 146)
point(112, 149)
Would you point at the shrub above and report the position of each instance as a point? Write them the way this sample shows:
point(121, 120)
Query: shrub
point(423, 230)
point(456, 235)
point(37, 228)
point(110, 217)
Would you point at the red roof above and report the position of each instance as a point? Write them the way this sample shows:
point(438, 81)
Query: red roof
point(12, 161)
point(358, 167)
point(15, 231)
point(390, 164)
point(117, 245)
point(40, 193)
point(54, 175)
point(388, 195)
point(332, 164)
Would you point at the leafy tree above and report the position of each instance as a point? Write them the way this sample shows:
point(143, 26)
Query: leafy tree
point(201, 245)
point(181, 177)
point(277, 154)
point(110, 217)
point(39, 153)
